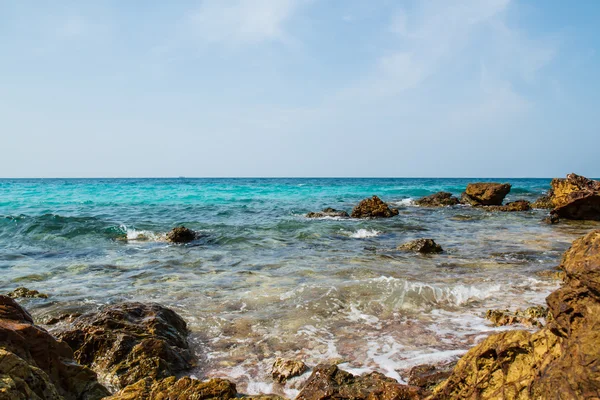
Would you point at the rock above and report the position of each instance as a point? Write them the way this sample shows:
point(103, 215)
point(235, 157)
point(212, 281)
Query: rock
point(328, 212)
point(185, 388)
point(561, 360)
point(543, 202)
point(26, 293)
point(424, 246)
point(263, 397)
point(181, 234)
point(284, 369)
point(551, 219)
point(330, 382)
point(518, 205)
point(576, 197)
point(373, 208)
point(439, 199)
point(34, 365)
point(427, 376)
point(485, 193)
point(130, 341)
point(530, 317)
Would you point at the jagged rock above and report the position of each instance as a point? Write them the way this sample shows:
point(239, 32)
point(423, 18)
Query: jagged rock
point(518, 205)
point(130, 341)
point(424, 246)
point(34, 365)
point(576, 197)
point(485, 193)
point(544, 202)
point(330, 382)
point(373, 208)
point(181, 234)
point(263, 397)
point(26, 293)
point(529, 317)
point(427, 376)
point(328, 212)
point(439, 199)
point(185, 388)
point(561, 360)
point(284, 369)
point(551, 219)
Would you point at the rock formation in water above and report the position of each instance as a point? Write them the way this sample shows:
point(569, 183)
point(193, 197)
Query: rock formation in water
point(181, 234)
point(544, 202)
point(328, 212)
point(576, 197)
point(373, 207)
point(23, 292)
point(185, 388)
point(518, 205)
point(531, 316)
point(284, 369)
point(439, 199)
point(424, 246)
point(485, 193)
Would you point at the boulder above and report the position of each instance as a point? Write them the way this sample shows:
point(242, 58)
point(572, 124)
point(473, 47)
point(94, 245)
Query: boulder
point(561, 360)
point(424, 246)
point(576, 197)
point(531, 316)
point(428, 376)
point(284, 369)
point(485, 193)
point(518, 205)
point(130, 341)
point(439, 199)
point(181, 234)
point(173, 388)
point(373, 207)
point(328, 212)
point(330, 382)
point(34, 365)
point(26, 293)
point(544, 202)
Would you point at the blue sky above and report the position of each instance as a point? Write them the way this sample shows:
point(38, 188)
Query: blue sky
point(299, 88)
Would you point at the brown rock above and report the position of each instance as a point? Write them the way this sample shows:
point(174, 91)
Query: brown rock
point(439, 199)
point(328, 212)
point(33, 365)
point(284, 369)
point(551, 219)
point(330, 382)
point(485, 193)
point(544, 202)
point(26, 293)
point(373, 208)
point(181, 234)
point(424, 246)
point(427, 376)
point(518, 205)
point(576, 197)
point(130, 341)
point(530, 317)
point(172, 388)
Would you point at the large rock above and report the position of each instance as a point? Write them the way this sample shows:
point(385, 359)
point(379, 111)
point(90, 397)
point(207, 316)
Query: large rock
point(561, 360)
point(439, 199)
point(330, 382)
point(284, 369)
point(373, 208)
point(518, 205)
point(130, 341)
point(485, 193)
point(34, 365)
point(181, 234)
point(576, 197)
point(424, 246)
point(185, 388)
point(543, 202)
point(328, 212)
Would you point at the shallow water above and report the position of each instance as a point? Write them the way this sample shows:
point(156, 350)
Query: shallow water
point(263, 281)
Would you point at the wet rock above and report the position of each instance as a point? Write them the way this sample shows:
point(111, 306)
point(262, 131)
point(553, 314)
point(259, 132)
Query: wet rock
point(373, 208)
point(328, 212)
point(26, 293)
point(576, 197)
point(544, 202)
point(173, 388)
point(130, 341)
point(551, 219)
point(427, 376)
point(439, 199)
point(181, 234)
point(424, 246)
point(263, 397)
point(53, 320)
point(518, 205)
point(34, 365)
point(284, 369)
point(485, 193)
point(330, 382)
point(561, 360)
point(530, 317)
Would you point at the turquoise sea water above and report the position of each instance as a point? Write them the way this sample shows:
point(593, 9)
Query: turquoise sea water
point(263, 281)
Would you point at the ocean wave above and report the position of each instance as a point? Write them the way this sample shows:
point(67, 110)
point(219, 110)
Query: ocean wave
point(404, 202)
point(141, 235)
point(364, 233)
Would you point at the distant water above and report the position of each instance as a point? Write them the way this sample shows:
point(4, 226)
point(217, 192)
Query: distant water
point(263, 281)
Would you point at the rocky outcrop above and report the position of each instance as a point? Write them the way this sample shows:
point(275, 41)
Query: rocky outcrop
point(439, 199)
point(328, 212)
point(576, 197)
point(373, 208)
point(485, 193)
point(330, 382)
point(428, 376)
point(424, 246)
point(518, 205)
point(23, 292)
point(284, 369)
point(181, 234)
point(544, 202)
point(531, 316)
point(34, 365)
point(561, 360)
point(127, 342)
point(173, 388)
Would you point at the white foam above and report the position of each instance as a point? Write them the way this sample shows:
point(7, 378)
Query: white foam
point(364, 233)
point(405, 202)
point(139, 235)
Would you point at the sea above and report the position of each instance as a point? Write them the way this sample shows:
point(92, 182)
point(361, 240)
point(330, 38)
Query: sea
point(263, 281)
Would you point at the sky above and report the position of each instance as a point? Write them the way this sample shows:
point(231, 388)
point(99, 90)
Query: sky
point(357, 88)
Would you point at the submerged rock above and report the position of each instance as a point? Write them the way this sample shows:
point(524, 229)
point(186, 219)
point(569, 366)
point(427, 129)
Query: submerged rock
point(330, 382)
point(34, 365)
point(529, 317)
point(544, 202)
point(561, 360)
point(485, 193)
point(130, 341)
point(576, 197)
point(439, 199)
point(181, 234)
point(173, 388)
point(373, 207)
point(551, 219)
point(26, 293)
point(328, 212)
point(424, 246)
point(284, 369)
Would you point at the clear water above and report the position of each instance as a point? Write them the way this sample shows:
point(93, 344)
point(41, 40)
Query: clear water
point(263, 281)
